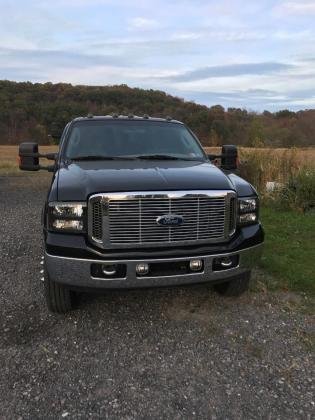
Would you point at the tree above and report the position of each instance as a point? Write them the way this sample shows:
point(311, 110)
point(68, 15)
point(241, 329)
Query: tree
point(28, 111)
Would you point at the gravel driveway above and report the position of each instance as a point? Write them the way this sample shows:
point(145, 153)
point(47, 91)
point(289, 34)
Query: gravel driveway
point(161, 353)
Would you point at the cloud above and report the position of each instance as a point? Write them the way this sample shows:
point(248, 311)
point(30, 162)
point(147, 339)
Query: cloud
point(247, 95)
point(142, 24)
point(257, 99)
point(137, 50)
point(297, 7)
point(209, 34)
point(186, 36)
point(286, 35)
point(32, 58)
point(206, 51)
point(230, 70)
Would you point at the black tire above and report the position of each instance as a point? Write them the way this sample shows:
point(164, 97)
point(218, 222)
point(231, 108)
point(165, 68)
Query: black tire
point(59, 298)
point(235, 287)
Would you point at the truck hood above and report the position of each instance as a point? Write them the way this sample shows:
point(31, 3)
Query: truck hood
point(79, 180)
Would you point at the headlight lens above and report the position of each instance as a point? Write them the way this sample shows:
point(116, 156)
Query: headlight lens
point(66, 217)
point(247, 218)
point(67, 209)
point(247, 205)
point(248, 211)
point(62, 224)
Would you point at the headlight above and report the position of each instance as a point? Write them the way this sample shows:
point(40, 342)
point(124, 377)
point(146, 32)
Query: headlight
point(61, 224)
point(247, 204)
point(248, 211)
point(66, 217)
point(247, 218)
point(67, 209)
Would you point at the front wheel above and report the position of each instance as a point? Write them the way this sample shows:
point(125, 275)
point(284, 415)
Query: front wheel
point(235, 287)
point(59, 298)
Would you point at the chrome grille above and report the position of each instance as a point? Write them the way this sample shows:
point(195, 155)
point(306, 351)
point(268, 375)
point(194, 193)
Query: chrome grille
point(97, 220)
point(122, 220)
point(232, 219)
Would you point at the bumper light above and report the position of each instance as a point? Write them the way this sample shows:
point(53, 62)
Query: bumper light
point(195, 265)
point(142, 268)
point(109, 270)
point(225, 263)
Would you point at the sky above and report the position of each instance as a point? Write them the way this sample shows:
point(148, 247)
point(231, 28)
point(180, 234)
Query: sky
point(247, 54)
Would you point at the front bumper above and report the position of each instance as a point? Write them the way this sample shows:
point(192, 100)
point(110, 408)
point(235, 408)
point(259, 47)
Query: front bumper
point(76, 272)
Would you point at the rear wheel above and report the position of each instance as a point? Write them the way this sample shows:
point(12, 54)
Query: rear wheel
point(235, 287)
point(59, 298)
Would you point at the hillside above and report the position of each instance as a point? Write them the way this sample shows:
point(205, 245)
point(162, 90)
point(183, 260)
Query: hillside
point(28, 111)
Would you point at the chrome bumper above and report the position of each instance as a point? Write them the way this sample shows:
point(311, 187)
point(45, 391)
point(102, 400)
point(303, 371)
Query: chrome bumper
point(77, 272)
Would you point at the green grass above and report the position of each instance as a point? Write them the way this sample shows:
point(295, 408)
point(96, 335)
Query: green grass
point(289, 253)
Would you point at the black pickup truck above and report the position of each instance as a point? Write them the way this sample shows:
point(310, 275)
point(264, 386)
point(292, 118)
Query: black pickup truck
point(136, 202)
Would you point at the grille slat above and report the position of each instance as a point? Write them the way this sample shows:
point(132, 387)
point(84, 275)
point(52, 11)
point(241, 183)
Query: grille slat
point(133, 220)
point(97, 228)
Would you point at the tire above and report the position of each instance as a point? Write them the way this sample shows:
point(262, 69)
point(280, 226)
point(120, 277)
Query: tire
point(235, 287)
point(59, 298)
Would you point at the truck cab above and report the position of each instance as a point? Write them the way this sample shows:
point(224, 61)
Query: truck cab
point(136, 202)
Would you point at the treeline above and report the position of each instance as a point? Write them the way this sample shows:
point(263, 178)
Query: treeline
point(31, 111)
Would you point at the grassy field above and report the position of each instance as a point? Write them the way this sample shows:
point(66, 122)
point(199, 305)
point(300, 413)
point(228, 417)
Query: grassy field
point(289, 250)
point(300, 155)
point(261, 164)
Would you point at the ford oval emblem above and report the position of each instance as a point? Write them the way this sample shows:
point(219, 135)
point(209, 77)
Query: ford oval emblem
point(170, 220)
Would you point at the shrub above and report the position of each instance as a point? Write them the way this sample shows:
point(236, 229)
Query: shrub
point(294, 180)
point(262, 166)
point(298, 193)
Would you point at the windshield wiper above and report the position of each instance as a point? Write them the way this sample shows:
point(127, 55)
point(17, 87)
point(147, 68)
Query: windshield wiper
point(148, 157)
point(96, 157)
point(164, 157)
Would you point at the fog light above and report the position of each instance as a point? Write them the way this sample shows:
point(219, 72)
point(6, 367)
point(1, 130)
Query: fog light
point(142, 268)
point(225, 263)
point(195, 265)
point(108, 269)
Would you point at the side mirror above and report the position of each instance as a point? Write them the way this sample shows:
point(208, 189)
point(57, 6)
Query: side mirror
point(229, 157)
point(29, 157)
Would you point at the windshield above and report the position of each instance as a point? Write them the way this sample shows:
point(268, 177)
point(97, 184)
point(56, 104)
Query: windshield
point(132, 139)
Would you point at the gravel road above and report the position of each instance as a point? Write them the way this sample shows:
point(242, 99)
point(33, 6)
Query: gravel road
point(177, 353)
